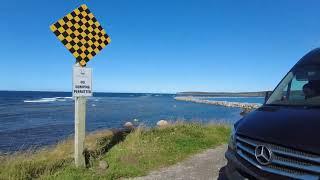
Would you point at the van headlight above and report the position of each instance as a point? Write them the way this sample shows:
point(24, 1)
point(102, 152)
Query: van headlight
point(232, 140)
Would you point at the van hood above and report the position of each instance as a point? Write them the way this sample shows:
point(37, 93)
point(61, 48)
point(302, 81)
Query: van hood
point(292, 127)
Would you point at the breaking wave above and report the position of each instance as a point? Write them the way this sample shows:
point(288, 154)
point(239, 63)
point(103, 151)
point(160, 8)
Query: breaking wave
point(45, 100)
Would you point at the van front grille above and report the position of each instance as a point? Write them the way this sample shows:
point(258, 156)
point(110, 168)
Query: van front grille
point(285, 161)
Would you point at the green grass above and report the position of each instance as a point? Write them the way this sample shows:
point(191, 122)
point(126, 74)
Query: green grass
point(141, 151)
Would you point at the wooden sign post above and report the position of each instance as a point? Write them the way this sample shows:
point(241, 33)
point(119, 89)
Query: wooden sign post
point(79, 130)
point(83, 36)
point(81, 89)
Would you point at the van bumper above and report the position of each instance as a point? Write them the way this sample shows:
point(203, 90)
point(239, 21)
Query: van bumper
point(238, 168)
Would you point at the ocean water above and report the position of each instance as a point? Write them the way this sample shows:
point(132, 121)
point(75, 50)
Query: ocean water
point(34, 119)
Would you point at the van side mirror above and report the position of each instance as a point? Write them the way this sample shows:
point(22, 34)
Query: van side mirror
point(267, 95)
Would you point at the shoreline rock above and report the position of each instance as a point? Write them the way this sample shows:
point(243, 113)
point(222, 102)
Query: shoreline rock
point(103, 165)
point(128, 125)
point(162, 123)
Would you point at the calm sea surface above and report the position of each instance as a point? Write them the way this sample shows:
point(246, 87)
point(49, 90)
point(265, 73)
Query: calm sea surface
point(34, 119)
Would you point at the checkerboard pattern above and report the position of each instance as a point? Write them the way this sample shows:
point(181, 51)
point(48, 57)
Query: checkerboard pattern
point(81, 34)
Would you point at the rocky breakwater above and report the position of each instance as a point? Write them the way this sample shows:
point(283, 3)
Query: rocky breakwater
point(246, 106)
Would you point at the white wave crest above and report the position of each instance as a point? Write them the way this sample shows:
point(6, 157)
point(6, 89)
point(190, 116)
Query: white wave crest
point(45, 100)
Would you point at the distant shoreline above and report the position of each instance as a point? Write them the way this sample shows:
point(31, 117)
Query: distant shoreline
point(229, 97)
point(224, 94)
point(218, 103)
point(190, 93)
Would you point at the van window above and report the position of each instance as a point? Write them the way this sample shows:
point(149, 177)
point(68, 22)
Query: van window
point(299, 87)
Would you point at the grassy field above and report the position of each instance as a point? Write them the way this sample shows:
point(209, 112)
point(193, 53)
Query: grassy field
point(127, 156)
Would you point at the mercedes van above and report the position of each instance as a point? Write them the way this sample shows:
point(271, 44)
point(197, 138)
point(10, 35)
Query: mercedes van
point(281, 139)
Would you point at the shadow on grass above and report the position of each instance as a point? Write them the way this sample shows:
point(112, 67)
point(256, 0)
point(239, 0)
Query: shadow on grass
point(105, 144)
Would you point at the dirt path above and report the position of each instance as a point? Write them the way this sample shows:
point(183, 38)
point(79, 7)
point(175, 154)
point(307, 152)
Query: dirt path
point(203, 166)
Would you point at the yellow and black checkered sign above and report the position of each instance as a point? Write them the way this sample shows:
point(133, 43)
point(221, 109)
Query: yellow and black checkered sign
point(81, 34)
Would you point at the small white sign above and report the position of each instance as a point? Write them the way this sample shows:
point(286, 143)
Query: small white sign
point(81, 81)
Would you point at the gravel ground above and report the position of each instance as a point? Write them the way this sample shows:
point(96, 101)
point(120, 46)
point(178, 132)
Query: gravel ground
point(204, 166)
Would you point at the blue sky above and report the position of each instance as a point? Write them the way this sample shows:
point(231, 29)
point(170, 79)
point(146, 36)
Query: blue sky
point(161, 46)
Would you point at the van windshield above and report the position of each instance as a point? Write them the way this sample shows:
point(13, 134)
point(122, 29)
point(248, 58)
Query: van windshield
point(300, 87)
